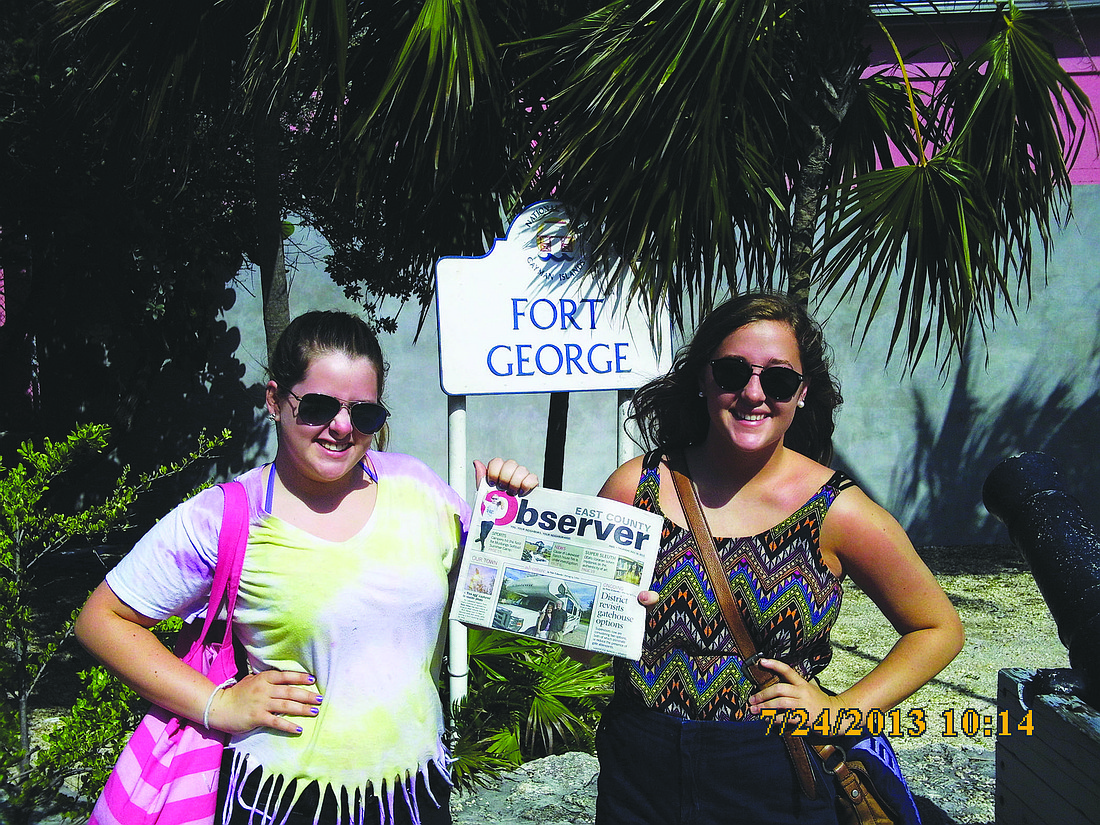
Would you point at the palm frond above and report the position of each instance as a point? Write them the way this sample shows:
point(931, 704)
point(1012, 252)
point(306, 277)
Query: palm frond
point(475, 766)
point(442, 85)
point(959, 233)
point(660, 132)
point(527, 699)
point(934, 228)
point(1020, 119)
point(877, 124)
point(300, 44)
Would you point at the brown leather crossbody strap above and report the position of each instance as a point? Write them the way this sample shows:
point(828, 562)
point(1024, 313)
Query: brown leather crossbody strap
point(719, 581)
point(851, 787)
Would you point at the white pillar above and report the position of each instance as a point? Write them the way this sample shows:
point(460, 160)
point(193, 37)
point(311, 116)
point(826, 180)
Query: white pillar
point(458, 666)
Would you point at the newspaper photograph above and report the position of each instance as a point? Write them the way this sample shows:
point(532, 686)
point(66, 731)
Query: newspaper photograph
point(558, 566)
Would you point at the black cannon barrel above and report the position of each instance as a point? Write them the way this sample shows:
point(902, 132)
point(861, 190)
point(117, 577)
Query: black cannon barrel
point(1047, 524)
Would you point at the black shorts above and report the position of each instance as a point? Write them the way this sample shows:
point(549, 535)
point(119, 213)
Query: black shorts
point(659, 770)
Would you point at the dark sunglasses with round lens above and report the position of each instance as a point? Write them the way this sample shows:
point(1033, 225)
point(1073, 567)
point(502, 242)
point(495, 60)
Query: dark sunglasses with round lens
point(733, 374)
point(317, 409)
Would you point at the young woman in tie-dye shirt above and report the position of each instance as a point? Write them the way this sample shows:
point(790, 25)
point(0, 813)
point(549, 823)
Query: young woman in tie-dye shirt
point(341, 608)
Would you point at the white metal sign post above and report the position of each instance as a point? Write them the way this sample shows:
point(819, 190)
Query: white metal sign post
point(530, 316)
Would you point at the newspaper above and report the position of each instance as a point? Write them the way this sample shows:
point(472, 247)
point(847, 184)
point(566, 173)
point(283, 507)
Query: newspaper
point(558, 566)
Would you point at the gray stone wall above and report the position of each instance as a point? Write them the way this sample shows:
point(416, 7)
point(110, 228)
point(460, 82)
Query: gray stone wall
point(920, 443)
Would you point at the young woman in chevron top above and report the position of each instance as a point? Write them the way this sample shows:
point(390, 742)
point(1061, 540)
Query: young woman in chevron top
point(351, 553)
point(747, 413)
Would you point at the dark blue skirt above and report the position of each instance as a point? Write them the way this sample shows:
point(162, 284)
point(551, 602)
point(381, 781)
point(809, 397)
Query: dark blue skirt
point(659, 770)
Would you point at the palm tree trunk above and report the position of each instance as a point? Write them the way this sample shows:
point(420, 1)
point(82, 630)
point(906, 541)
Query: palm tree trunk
point(807, 204)
point(826, 70)
point(269, 252)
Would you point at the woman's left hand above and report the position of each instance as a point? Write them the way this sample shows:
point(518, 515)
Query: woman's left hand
point(507, 474)
point(793, 692)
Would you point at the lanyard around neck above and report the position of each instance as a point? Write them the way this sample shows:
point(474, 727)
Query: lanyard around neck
point(368, 468)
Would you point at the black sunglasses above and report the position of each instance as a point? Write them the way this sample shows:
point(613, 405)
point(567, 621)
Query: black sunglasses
point(732, 374)
point(317, 409)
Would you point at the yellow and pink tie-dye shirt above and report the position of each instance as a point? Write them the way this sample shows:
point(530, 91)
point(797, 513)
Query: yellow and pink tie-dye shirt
point(363, 616)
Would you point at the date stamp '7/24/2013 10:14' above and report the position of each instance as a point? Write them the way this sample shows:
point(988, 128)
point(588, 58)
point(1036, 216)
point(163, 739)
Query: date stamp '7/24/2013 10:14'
point(912, 723)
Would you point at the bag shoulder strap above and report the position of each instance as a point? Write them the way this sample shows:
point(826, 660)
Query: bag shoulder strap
point(232, 540)
point(720, 583)
point(719, 578)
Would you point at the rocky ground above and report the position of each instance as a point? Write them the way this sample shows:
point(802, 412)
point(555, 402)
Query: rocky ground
point(951, 775)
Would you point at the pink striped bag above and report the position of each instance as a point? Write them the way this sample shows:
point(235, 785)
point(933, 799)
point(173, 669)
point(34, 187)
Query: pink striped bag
point(168, 772)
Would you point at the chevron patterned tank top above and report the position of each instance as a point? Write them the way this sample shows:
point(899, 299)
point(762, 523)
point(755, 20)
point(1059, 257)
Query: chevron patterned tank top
point(788, 597)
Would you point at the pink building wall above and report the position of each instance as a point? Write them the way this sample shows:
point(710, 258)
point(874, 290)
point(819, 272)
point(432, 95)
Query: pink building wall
point(964, 32)
point(1086, 169)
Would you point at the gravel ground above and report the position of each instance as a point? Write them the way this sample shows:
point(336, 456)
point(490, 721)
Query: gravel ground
point(1007, 625)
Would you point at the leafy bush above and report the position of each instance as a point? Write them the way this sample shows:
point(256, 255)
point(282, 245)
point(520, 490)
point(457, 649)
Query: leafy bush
point(526, 700)
point(83, 746)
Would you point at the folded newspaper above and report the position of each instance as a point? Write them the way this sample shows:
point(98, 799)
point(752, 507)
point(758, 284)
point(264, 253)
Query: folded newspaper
point(558, 566)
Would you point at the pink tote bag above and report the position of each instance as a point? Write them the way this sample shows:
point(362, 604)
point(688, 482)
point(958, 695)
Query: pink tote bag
point(168, 772)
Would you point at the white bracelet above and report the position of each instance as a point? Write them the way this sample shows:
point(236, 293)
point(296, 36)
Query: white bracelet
point(210, 701)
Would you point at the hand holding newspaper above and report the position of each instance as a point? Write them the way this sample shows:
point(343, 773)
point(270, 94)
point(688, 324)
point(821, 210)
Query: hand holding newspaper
point(558, 566)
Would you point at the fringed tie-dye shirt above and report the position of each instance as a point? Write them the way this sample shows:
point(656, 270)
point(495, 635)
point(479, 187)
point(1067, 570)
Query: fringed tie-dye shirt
point(788, 598)
point(363, 616)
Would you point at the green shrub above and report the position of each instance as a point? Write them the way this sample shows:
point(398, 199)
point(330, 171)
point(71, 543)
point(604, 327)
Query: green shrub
point(526, 700)
point(37, 780)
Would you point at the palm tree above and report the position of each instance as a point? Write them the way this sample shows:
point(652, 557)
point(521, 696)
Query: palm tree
point(711, 139)
point(383, 124)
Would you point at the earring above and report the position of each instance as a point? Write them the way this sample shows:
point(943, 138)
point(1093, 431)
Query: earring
point(272, 416)
point(801, 402)
point(702, 394)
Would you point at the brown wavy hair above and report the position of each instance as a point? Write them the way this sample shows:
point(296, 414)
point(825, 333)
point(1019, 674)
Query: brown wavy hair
point(670, 415)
